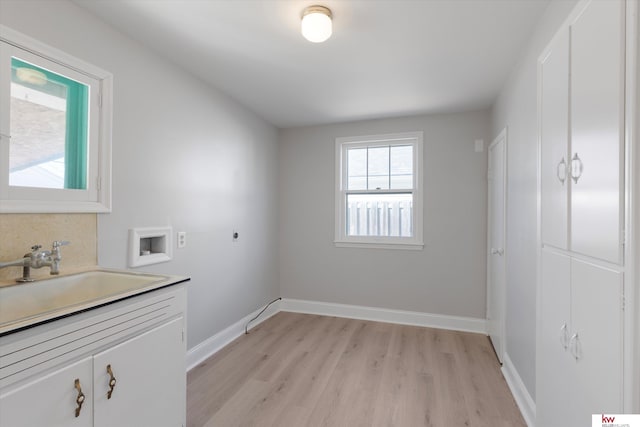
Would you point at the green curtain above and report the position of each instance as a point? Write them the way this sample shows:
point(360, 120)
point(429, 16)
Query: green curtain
point(77, 120)
point(75, 152)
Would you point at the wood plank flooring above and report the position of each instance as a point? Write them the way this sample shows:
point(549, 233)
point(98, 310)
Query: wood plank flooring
point(298, 370)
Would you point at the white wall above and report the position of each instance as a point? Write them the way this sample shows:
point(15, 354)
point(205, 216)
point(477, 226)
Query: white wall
point(184, 155)
point(447, 277)
point(516, 108)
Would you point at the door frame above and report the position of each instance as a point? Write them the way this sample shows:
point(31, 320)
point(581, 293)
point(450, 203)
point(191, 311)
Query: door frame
point(502, 299)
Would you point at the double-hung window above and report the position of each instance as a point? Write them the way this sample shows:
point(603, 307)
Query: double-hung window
point(379, 191)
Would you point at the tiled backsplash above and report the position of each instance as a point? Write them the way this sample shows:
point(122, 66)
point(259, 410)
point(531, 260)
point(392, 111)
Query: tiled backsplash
point(18, 232)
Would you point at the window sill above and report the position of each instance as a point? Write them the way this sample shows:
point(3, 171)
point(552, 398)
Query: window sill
point(376, 245)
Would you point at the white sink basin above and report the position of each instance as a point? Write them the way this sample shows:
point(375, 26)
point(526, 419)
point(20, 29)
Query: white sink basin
point(29, 303)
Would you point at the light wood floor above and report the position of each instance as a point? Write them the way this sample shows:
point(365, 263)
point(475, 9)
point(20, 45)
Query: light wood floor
point(298, 370)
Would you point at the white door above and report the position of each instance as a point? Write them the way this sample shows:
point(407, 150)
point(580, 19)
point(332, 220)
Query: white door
point(150, 380)
point(52, 400)
point(496, 274)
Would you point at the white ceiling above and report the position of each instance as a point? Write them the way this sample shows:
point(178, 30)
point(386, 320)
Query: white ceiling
point(386, 57)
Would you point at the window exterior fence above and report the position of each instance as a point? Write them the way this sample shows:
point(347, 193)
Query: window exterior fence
point(366, 217)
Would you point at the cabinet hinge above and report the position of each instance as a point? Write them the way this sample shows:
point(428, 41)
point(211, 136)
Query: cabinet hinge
point(182, 336)
point(98, 183)
point(100, 99)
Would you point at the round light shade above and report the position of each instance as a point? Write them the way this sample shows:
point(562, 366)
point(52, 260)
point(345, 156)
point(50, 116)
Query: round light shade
point(29, 75)
point(316, 24)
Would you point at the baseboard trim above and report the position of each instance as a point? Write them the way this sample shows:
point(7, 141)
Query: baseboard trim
point(464, 324)
point(212, 345)
point(522, 397)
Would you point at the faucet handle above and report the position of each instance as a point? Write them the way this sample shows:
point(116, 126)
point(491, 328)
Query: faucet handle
point(58, 243)
point(35, 247)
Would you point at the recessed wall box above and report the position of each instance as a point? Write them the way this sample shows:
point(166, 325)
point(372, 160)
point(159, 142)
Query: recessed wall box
point(150, 245)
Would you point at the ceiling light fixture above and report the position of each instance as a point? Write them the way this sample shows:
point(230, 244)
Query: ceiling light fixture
point(316, 23)
point(31, 76)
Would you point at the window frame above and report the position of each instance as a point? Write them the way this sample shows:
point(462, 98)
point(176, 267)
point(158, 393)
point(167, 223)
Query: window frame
point(97, 195)
point(342, 144)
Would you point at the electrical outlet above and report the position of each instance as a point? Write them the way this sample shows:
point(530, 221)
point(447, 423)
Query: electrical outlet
point(182, 239)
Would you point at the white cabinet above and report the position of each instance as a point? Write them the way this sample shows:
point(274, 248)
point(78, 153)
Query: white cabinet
point(554, 142)
point(581, 351)
point(134, 348)
point(554, 329)
point(580, 348)
point(597, 105)
point(595, 341)
point(50, 400)
point(581, 137)
point(150, 380)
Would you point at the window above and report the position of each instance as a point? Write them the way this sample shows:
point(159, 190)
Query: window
point(379, 192)
point(55, 125)
point(48, 127)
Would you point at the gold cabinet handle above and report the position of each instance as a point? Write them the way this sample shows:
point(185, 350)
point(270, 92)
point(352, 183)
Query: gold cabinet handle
point(80, 398)
point(112, 381)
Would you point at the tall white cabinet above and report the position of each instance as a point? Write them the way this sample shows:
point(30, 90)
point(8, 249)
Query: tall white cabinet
point(582, 123)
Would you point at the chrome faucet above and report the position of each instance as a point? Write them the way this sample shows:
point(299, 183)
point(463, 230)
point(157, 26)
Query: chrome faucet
point(57, 255)
point(38, 259)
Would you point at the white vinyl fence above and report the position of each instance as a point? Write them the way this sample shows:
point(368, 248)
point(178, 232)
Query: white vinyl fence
point(385, 216)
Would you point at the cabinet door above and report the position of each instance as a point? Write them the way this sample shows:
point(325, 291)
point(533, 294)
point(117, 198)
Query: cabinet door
point(50, 400)
point(150, 385)
point(554, 141)
point(597, 319)
point(597, 96)
point(553, 362)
